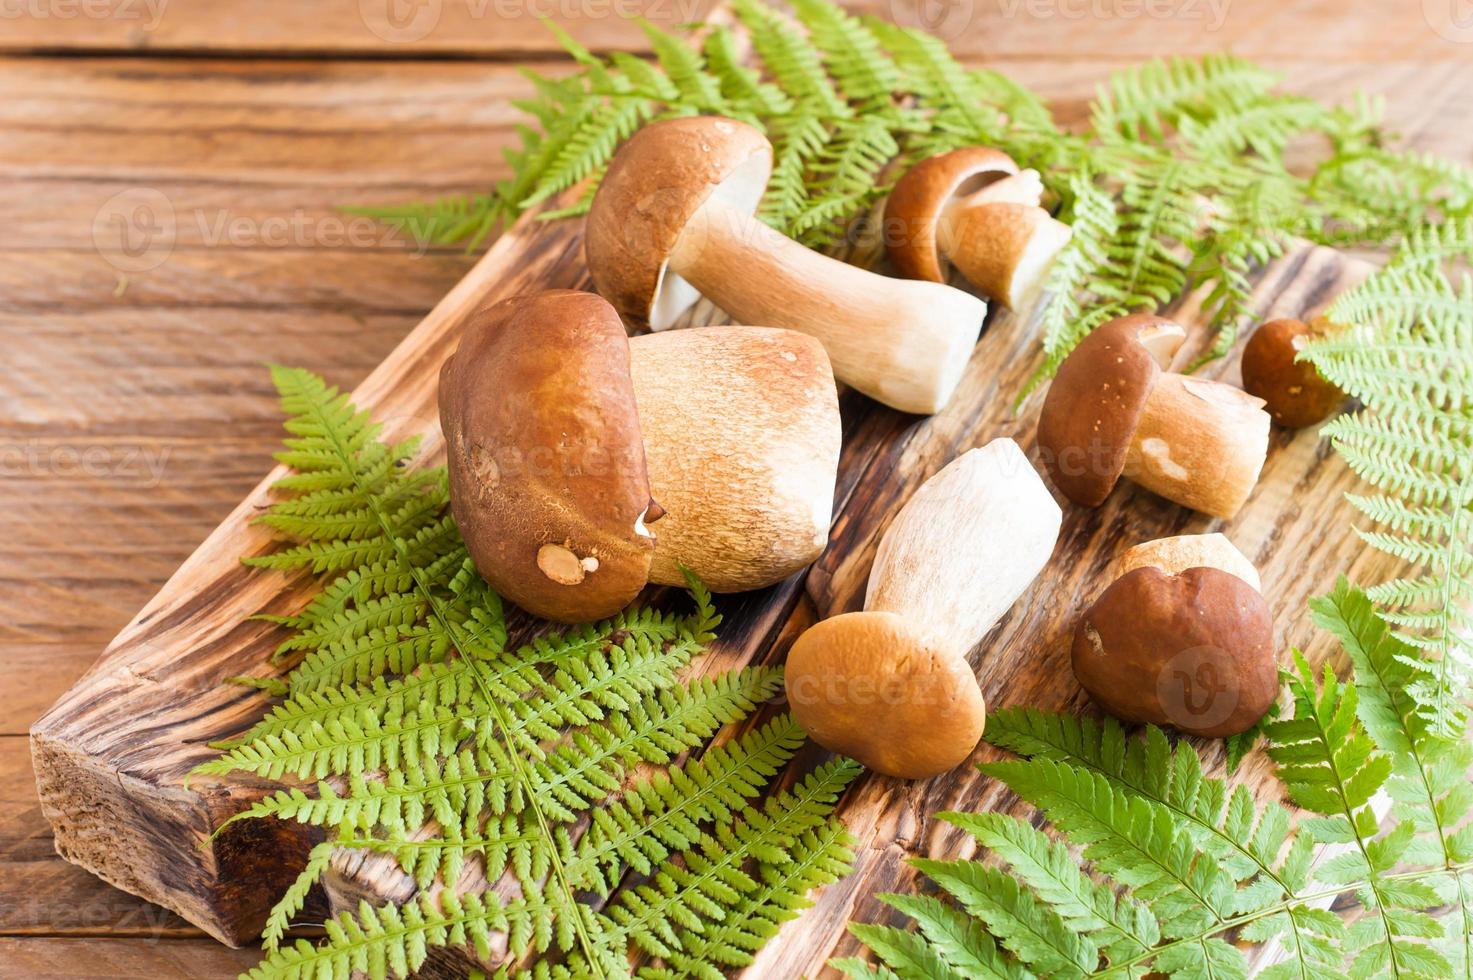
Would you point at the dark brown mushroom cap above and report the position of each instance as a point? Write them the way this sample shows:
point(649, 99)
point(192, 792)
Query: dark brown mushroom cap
point(916, 203)
point(547, 468)
point(1194, 651)
point(867, 686)
point(651, 189)
point(1095, 401)
point(1295, 394)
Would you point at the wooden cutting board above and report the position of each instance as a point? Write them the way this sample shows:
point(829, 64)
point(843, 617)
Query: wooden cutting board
point(112, 754)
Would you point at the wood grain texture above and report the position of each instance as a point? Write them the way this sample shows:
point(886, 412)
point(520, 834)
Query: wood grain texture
point(508, 29)
point(120, 959)
point(167, 361)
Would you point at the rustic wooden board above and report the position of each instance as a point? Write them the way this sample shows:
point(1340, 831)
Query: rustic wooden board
point(1025, 660)
point(112, 753)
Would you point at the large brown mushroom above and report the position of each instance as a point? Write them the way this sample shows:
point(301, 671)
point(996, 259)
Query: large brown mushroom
point(583, 464)
point(890, 686)
point(975, 208)
point(673, 219)
point(1294, 393)
point(1113, 410)
point(1192, 647)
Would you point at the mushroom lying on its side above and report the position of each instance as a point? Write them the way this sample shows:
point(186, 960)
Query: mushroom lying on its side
point(975, 208)
point(673, 220)
point(583, 464)
point(1190, 647)
point(1294, 393)
point(891, 686)
point(1113, 410)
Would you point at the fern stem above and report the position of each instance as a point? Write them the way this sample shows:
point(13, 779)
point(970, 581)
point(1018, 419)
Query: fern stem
point(1286, 905)
point(1341, 792)
point(1446, 661)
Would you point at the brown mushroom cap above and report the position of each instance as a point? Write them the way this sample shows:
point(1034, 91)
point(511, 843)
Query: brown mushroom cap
point(1194, 651)
point(1295, 394)
point(914, 209)
point(867, 686)
point(1095, 401)
point(652, 187)
point(547, 469)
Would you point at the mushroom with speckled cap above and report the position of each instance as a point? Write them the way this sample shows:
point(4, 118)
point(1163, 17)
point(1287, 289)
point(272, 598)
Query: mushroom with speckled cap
point(673, 220)
point(891, 686)
point(1113, 410)
point(1293, 390)
point(1191, 648)
point(975, 209)
point(584, 464)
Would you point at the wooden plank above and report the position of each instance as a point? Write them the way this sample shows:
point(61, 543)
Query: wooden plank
point(42, 894)
point(45, 670)
point(111, 780)
point(509, 29)
point(120, 959)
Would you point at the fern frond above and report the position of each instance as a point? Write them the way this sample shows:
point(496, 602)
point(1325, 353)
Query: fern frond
point(435, 745)
point(1218, 820)
point(1121, 928)
point(1145, 100)
point(1331, 766)
point(794, 63)
point(1407, 353)
point(1129, 837)
point(696, 890)
point(664, 813)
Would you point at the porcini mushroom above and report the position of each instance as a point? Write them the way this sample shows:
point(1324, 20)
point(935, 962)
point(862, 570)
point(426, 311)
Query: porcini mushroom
point(1177, 554)
point(974, 207)
point(1192, 647)
point(673, 219)
point(1294, 392)
point(890, 686)
point(1113, 410)
point(562, 434)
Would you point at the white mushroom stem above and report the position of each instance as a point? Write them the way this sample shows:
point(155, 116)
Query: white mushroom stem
point(1199, 443)
point(902, 342)
point(966, 546)
point(741, 440)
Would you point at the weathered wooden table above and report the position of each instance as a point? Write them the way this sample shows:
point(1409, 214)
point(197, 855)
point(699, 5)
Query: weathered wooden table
point(134, 412)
